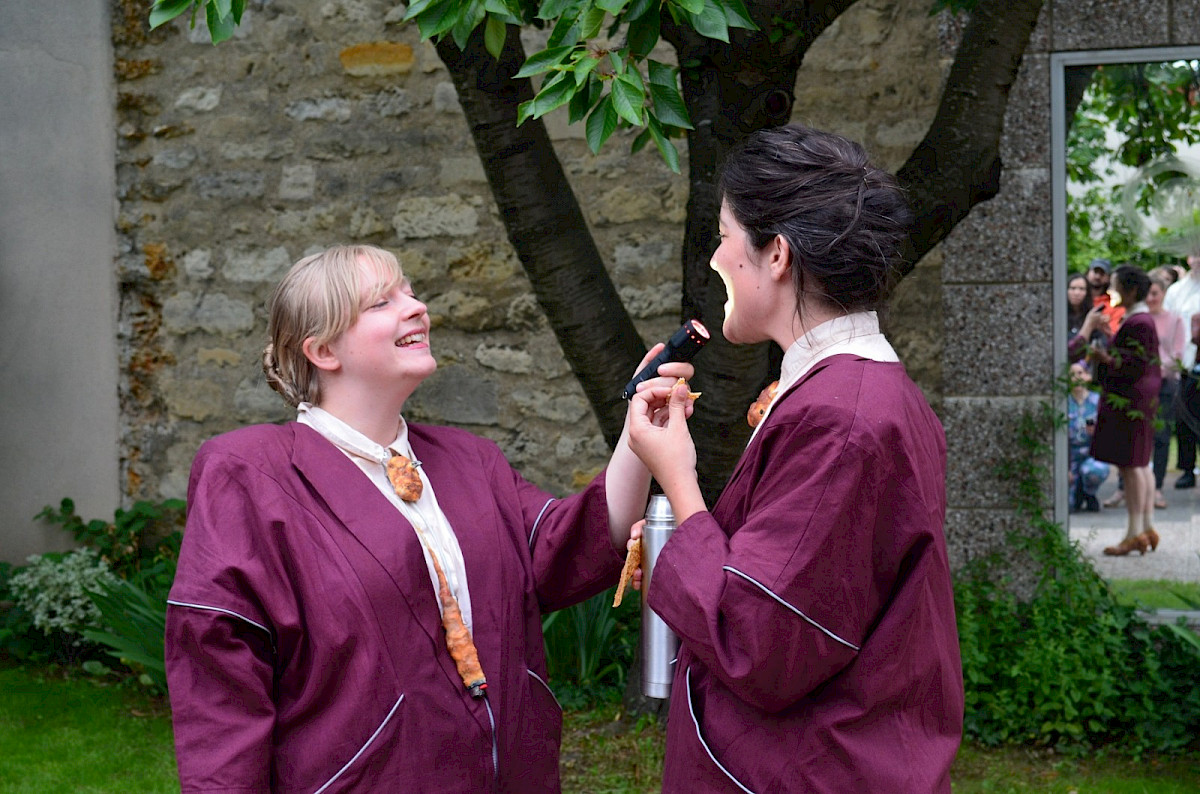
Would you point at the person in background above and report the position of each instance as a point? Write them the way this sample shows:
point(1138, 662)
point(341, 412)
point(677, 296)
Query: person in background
point(1085, 473)
point(1171, 340)
point(1183, 299)
point(359, 598)
point(813, 602)
point(1079, 303)
point(1099, 276)
point(1129, 377)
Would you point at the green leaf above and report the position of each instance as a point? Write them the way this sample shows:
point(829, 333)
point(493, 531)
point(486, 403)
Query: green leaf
point(239, 6)
point(440, 17)
point(590, 23)
point(736, 15)
point(643, 34)
point(639, 7)
point(640, 141)
point(219, 28)
point(611, 6)
point(711, 22)
point(565, 33)
point(661, 73)
point(166, 10)
point(494, 35)
point(543, 61)
point(553, 9)
point(669, 106)
point(584, 100)
point(467, 22)
point(601, 124)
point(416, 8)
point(667, 149)
point(584, 67)
point(627, 100)
point(556, 92)
point(689, 6)
point(224, 7)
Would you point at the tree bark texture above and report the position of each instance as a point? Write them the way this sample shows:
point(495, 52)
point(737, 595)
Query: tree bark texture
point(546, 226)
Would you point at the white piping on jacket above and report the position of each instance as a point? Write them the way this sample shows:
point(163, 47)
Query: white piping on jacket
point(533, 532)
point(329, 782)
point(220, 609)
point(814, 623)
point(700, 737)
point(548, 689)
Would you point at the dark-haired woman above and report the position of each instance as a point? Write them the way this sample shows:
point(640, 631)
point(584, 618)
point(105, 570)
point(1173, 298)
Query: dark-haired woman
point(1080, 301)
point(813, 602)
point(1129, 376)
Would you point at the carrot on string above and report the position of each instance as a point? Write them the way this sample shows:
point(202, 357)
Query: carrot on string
point(458, 637)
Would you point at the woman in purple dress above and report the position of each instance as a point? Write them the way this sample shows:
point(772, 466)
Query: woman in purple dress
point(819, 651)
point(1129, 376)
point(322, 576)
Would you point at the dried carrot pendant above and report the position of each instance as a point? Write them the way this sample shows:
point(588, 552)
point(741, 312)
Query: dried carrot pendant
point(458, 638)
point(403, 475)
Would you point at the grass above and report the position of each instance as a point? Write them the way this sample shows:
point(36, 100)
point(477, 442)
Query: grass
point(1157, 593)
point(65, 732)
point(70, 734)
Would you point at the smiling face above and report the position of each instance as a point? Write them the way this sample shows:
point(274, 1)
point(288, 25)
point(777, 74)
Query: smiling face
point(1154, 297)
point(388, 343)
point(748, 283)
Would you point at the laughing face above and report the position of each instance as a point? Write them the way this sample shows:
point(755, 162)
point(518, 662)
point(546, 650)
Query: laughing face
point(389, 341)
point(746, 282)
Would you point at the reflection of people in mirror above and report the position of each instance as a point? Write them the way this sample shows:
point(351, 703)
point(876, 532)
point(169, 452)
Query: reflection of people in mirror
point(1129, 376)
point(1183, 298)
point(1085, 473)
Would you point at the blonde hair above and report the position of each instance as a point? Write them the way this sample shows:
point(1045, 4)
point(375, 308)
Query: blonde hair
point(320, 297)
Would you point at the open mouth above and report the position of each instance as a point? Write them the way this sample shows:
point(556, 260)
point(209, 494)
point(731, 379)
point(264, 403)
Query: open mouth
point(412, 339)
point(728, 289)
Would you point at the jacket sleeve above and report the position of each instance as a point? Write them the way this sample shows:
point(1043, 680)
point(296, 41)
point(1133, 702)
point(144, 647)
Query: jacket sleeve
point(569, 546)
point(784, 603)
point(219, 642)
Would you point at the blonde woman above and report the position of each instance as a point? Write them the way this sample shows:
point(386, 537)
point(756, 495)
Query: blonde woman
point(344, 619)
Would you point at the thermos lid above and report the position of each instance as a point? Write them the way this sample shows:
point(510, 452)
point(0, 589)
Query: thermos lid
point(659, 510)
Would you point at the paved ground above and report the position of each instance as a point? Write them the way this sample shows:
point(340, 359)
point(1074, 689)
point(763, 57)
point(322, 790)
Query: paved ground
point(1178, 554)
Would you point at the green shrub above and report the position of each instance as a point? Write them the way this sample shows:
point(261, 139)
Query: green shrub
point(53, 591)
point(589, 648)
point(134, 625)
point(1069, 665)
point(146, 534)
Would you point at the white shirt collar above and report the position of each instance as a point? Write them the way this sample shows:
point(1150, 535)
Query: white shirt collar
point(855, 334)
point(1138, 308)
point(346, 438)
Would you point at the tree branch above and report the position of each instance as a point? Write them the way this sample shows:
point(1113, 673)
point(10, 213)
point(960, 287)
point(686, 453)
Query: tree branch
point(546, 226)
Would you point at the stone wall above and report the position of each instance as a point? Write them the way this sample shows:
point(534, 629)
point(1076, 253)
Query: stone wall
point(327, 122)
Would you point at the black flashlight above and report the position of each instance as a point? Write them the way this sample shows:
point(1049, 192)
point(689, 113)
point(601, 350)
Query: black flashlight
point(682, 346)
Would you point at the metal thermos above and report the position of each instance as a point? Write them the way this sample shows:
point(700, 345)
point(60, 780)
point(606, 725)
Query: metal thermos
point(659, 643)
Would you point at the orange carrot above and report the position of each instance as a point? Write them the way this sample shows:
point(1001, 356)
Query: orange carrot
point(458, 638)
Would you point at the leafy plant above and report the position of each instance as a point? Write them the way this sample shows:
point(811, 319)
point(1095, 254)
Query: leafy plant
point(53, 591)
point(589, 647)
point(134, 626)
point(144, 536)
point(1069, 665)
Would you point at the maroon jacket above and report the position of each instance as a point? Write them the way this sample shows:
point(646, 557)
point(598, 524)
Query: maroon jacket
point(305, 651)
point(819, 651)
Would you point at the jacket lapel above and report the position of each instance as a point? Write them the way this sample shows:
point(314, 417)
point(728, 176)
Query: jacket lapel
point(380, 544)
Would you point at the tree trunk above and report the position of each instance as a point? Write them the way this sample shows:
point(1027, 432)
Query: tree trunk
point(546, 226)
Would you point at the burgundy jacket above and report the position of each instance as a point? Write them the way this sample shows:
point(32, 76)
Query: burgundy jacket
point(305, 652)
point(819, 651)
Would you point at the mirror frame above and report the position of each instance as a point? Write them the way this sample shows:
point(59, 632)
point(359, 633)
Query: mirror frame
point(1059, 61)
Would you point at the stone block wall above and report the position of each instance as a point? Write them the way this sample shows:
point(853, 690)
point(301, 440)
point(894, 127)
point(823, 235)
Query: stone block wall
point(328, 121)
